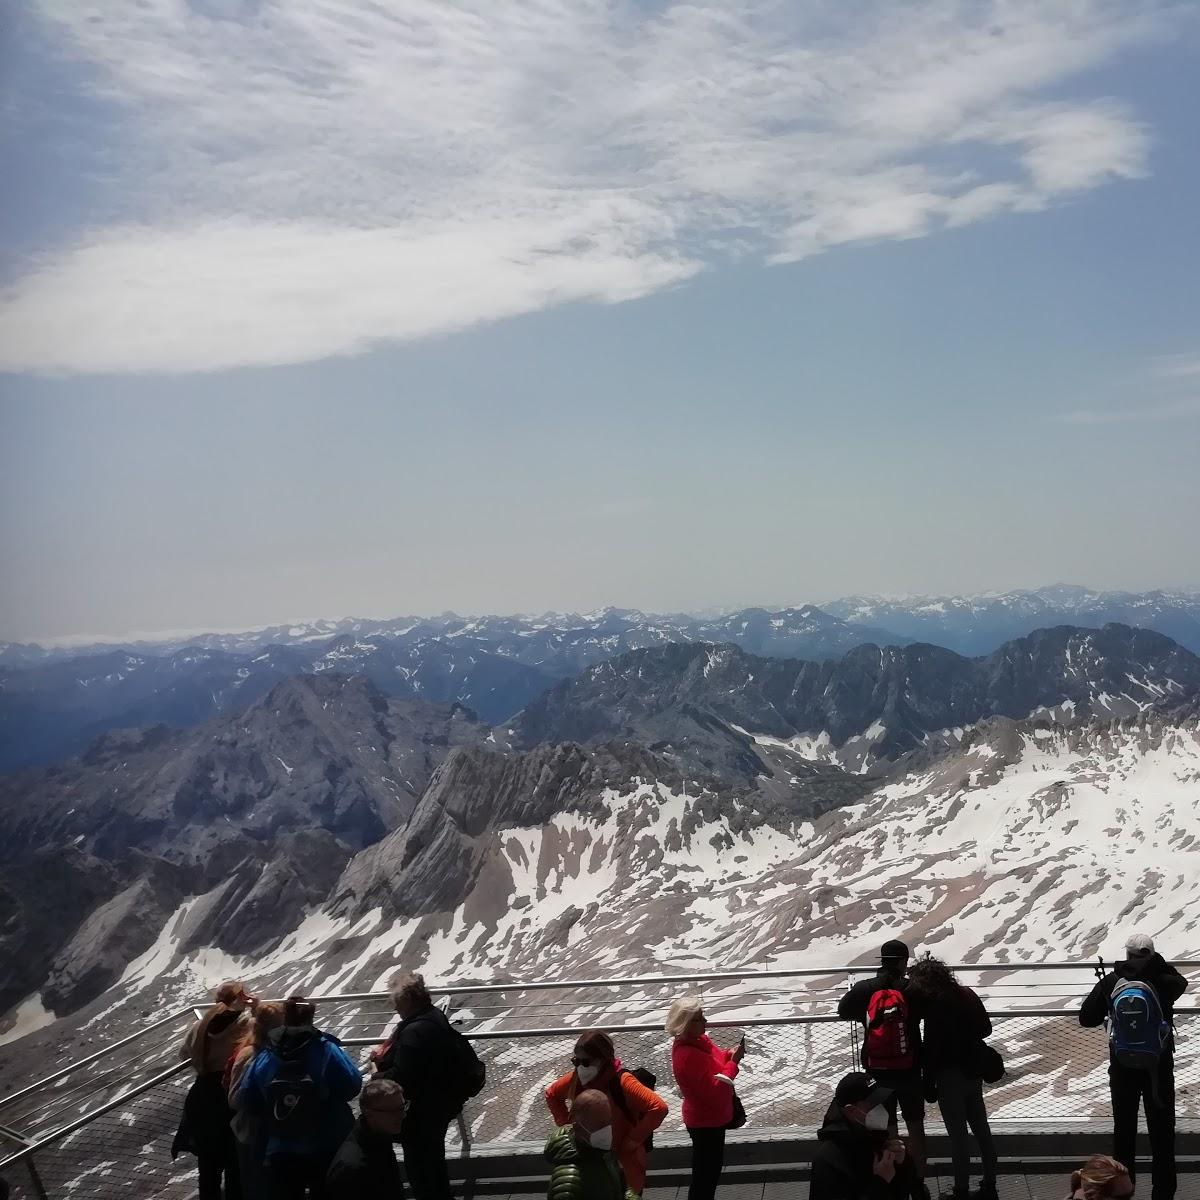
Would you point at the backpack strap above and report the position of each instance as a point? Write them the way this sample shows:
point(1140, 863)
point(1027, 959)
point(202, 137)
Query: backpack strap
point(617, 1094)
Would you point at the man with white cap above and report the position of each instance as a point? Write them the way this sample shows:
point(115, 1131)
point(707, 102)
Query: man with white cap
point(1137, 1001)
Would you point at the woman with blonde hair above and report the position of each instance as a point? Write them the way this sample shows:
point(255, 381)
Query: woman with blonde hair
point(249, 1131)
point(204, 1129)
point(1101, 1178)
point(705, 1074)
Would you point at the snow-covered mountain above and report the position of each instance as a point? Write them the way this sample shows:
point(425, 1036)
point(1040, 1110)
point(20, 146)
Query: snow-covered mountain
point(54, 706)
point(978, 624)
point(680, 804)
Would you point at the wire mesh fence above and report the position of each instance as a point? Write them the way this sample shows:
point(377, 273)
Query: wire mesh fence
point(1057, 1078)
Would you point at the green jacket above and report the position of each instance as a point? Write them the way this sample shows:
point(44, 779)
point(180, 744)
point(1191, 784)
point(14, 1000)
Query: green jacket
point(581, 1173)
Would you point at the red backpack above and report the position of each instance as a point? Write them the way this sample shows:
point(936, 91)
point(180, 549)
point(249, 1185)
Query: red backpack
point(887, 1041)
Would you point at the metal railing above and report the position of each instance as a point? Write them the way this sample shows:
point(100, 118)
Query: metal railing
point(105, 1124)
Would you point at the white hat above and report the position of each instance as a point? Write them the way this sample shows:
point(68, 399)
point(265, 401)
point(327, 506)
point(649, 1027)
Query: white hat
point(1139, 943)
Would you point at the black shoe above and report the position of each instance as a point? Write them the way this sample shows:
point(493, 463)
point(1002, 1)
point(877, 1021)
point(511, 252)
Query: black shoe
point(985, 1191)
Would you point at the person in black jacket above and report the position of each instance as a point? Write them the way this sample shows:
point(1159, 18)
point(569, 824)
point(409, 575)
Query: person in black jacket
point(905, 1084)
point(856, 1157)
point(956, 1025)
point(419, 1057)
point(365, 1167)
point(1130, 1087)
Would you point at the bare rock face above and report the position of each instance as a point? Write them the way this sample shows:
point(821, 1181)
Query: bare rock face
point(431, 865)
point(257, 814)
point(691, 696)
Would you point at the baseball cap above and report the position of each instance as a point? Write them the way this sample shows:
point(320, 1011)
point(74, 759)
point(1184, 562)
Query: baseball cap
point(893, 950)
point(857, 1088)
point(1139, 944)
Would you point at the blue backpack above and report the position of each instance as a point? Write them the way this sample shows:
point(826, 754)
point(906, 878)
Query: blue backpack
point(1137, 1030)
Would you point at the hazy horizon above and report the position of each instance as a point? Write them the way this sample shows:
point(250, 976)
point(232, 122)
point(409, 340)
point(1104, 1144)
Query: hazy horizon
point(67, 640)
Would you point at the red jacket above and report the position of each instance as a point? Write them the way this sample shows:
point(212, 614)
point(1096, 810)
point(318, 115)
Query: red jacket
point(707, 1102)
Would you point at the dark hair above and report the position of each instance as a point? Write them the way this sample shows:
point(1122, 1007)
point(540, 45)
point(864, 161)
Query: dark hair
point(930, 978)
point(298, 1011)
point(595, 1043)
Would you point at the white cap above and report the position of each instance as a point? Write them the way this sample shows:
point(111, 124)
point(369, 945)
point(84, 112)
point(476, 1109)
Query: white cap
point(1139, 943)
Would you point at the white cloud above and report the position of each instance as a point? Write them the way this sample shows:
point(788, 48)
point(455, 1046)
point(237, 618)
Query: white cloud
point(1151, 397)
point(310, 178)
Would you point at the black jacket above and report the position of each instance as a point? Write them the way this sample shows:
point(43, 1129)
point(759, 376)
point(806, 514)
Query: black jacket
point(955, 1027)
point(853, 1007)
point(1166, 981)
point(365, 1168)
point(843, 1165)
point(421, 1058)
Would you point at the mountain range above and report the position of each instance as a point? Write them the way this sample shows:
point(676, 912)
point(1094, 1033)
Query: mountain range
point(54, 701)
point(328, 830)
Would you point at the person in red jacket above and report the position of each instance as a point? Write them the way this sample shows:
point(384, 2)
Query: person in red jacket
point(705, 1074)
point(637, 1111)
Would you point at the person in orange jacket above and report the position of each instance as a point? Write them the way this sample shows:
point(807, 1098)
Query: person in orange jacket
point(637, 1111)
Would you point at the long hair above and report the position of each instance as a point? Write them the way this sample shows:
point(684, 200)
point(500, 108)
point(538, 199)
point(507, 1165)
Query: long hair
point(1096, 1177)
point(929, 978)
point(267, 1016)
point(229, 1005)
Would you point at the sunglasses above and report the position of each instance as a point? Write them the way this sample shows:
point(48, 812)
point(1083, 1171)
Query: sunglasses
point(576, 1061)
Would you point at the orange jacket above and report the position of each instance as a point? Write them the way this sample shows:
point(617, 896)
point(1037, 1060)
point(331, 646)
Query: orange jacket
point(647, 1108)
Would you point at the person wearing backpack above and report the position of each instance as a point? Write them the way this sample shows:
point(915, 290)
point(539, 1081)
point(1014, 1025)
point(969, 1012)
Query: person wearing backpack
point(439, 1072)
point(955, 1026)
point(300, 1086)
point(891, 1051)
point(365, 1167)
point(637, 1109)
point(1137, 1000)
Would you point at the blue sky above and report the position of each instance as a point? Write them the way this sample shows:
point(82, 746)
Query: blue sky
point(332, 308)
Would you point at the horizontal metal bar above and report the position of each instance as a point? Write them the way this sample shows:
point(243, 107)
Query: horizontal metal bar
point(712, 976)
point(747, 1023)
point(91, 1058)
point(66, 1130)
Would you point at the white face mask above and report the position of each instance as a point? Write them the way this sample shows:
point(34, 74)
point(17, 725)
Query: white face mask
point(876, 1119)
point(601, 1139)
point(588, 1073)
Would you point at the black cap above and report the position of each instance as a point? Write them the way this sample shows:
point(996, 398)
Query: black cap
point(857, 1087)
point(894, 950)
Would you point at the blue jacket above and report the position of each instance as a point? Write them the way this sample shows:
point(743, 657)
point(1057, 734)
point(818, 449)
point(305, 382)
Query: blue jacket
point(330, 1067)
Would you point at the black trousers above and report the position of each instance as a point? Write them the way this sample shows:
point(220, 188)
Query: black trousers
point(298, 1176)
point(708, 1161)
point(215, 1169)
point(424, 1144)
point(1132, 1090)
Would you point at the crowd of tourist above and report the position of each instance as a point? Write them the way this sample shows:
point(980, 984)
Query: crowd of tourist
point(269, 1115)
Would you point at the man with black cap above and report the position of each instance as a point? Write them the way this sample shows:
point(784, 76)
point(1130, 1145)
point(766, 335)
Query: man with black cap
point(891, 1051)
point(857, 1157)
point(1137, 999)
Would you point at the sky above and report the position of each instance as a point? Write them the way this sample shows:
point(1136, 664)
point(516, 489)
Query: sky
point(332, 307)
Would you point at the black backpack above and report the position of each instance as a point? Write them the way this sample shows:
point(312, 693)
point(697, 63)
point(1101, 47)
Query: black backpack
point(293, 1101)
point(471, 1073)
point(617, 1095)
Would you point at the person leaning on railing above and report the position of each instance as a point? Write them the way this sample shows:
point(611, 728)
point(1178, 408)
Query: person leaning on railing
point(637, 1111)
point(705, 1075)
